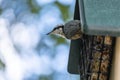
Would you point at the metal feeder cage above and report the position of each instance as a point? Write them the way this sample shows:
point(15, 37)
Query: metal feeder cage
point(91, 56)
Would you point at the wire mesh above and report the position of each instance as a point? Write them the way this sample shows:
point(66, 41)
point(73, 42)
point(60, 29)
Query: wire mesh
point(96, 57)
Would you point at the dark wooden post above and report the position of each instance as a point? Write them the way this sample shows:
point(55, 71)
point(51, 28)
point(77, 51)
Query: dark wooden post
point(75, 46)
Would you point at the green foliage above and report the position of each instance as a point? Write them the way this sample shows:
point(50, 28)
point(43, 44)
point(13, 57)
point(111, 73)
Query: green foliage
point(46, 78)
point(64, 10)
point(33, 6)
point(59, 40)
point(2, 65)
point(0, 10)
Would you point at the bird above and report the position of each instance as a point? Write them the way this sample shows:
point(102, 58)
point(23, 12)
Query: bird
point(70, 30)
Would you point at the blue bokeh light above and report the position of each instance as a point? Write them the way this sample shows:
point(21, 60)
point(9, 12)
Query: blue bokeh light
point(26, 50)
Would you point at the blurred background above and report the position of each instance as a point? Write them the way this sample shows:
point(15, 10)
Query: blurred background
point(26, 52)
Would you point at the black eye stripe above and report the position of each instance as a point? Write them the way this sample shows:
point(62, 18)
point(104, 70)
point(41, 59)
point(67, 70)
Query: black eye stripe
point(60, 26)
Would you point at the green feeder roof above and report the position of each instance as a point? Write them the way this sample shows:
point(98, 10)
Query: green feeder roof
point(100, 17)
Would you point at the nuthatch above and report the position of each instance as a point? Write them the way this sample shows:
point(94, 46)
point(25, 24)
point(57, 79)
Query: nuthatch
point(71, 30)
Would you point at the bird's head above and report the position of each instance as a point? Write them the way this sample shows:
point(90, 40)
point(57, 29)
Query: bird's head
point(70, 30)
point(58, 31)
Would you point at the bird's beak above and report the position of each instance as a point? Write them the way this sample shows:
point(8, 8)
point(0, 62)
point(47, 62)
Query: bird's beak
point(49, 33)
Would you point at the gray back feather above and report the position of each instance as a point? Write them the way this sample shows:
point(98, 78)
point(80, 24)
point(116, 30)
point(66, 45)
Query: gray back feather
point(71, 28)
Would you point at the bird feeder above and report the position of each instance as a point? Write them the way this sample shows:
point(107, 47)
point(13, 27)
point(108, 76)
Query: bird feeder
point(96, 56)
